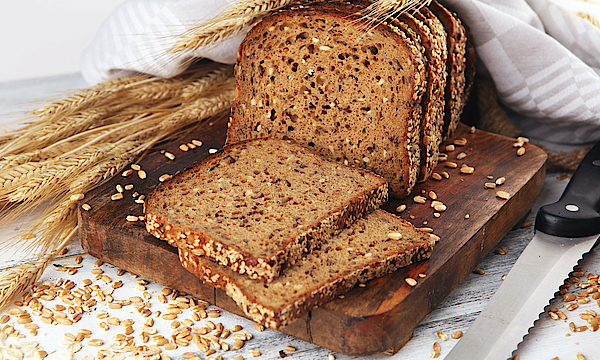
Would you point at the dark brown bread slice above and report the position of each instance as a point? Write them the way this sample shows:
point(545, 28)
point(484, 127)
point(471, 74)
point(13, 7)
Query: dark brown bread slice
point(457, 45)
point(433, 37)
point(366, 250)
point(349, 89)
point(258, 205)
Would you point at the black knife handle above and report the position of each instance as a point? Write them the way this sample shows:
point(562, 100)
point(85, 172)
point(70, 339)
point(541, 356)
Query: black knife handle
point(576, 213)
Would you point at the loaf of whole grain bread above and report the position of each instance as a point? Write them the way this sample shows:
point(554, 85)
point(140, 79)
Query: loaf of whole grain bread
point(375, 245)
point(259, 205)
point(327, 78)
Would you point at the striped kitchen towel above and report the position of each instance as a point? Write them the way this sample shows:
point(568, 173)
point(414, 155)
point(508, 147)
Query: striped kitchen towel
point(543, 55)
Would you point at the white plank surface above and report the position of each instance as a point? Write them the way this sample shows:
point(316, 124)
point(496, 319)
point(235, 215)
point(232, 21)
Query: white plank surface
point(548, 339)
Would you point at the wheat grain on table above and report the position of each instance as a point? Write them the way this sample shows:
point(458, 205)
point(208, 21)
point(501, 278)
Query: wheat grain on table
point(125, 319)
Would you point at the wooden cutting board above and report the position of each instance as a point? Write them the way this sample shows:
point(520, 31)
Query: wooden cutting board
point(381, 316)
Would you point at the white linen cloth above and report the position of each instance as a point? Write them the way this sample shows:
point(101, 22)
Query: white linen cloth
point(543, 57)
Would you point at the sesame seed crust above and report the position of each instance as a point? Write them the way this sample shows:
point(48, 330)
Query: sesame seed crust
point(432, 35)
point(291, 296)
point(457, 49)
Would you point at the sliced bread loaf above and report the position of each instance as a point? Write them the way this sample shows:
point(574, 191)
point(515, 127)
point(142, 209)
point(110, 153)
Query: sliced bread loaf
point(332, 81)
point(258, 205)
point(375, 245)
point(433, 38)
point(455, 85)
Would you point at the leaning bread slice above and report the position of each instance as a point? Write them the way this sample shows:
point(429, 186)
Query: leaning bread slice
point(457, 47)
point(258, 205)
point(375, 245)
point(329, 79)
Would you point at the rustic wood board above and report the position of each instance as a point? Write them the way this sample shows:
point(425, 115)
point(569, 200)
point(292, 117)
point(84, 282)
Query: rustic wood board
point(369, 320)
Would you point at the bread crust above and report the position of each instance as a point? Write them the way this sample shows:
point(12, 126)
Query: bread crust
point(268, 266)
point(298, 303)
point(457, 47)
point(433, 37)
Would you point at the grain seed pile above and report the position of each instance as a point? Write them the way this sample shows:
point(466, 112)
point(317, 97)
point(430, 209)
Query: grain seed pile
point(79, 306)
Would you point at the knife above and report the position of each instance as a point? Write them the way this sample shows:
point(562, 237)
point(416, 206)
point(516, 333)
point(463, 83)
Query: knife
point(564, 231)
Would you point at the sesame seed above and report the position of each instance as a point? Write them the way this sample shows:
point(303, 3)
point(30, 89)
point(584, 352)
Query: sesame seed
point(401, 208)
point(212, 151)
point(467, 170)
point(394, 236)
point(77, 197)
point(142, 174)
point(169, 156)
point(127, 173)
point(461, 156)
point(117, 196)
point(164, 177)
point(324, 48)
point(410, 281)
point(119, 188)
point(503, 195)
point(86, 207)
point(197, 143)
point(132, 218)
point(501, 251)
point(451, 164)
point(489, 185)
point(445, 174)
point(442, 157)
point(289, 348)
point(442, 336)
point(184, 147)
point(136, 167)
point(433, 195)
point(436, 176)
point(460, 142)
point(479, 271)
point(419, 199)
point(500, 181)
point(521, 151)
point(128, 187)
point(450, 148)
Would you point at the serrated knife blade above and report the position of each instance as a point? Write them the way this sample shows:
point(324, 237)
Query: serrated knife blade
point(564, 231)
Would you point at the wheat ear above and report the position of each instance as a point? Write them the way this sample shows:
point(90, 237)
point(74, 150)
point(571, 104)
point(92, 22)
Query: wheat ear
point(15, 281)
point(226, 24)
point(383, 9)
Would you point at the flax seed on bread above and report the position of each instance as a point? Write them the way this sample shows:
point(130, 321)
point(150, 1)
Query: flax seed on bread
point(259, 205)
point(368, 249)
point(323, 76)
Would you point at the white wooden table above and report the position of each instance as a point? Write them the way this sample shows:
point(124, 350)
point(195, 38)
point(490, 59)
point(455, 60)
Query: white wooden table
point(548, 339)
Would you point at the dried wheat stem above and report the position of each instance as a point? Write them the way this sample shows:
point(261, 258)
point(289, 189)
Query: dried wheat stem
point(227, 24)
point(76, 102)
point(381, 10)
point(199, 109)
point(32, 181)
point(215, 76)
point(18, 279)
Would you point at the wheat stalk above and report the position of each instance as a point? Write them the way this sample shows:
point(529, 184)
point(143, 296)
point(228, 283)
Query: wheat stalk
point(226, 24)
point(88, 138)
point(383, 9)
point(18, 279)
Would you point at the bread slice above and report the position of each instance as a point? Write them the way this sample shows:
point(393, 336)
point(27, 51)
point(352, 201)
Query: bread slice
point(323, 77)
point(368, 249)
point(433, 37)
point(457, 46)
point(258, 205)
